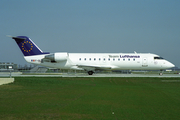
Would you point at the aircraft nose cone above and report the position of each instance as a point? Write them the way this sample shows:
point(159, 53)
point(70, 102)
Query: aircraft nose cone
point(171, 65)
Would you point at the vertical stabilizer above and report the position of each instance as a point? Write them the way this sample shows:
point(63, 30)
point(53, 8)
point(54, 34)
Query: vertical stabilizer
point(27, 46)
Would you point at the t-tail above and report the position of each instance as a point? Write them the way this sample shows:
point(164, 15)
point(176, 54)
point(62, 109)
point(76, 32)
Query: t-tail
point(27, 46)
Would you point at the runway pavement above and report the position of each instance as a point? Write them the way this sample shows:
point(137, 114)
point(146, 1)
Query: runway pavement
point(86, 75)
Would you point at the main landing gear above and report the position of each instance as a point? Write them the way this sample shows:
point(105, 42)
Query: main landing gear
point(161, 73)
point(90, 72)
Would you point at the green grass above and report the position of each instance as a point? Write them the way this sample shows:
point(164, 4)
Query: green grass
point(90, 98)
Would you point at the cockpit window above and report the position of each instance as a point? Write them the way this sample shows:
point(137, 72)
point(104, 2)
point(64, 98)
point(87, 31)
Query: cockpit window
point(158, 58)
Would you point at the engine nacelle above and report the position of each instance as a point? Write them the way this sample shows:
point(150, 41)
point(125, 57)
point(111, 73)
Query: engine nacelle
point(57, 57)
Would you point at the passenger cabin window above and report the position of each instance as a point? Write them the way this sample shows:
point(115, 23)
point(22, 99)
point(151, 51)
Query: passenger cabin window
point(158, 58)
point(113, 59)
point(109, 59)
point(85, 59)
point(94, 59)
point(99, 59)
point(80, 59)
point(119, 59)
point(90, 59)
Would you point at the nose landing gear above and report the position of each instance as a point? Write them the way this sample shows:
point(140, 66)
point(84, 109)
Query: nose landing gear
point(161, 73)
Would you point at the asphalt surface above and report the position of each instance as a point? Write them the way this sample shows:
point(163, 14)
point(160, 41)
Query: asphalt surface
point(86, 75)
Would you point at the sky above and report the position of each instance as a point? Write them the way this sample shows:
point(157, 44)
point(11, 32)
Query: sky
point(92, 26)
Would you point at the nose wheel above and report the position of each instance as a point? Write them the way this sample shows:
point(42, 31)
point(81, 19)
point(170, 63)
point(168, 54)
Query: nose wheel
point(161, 73)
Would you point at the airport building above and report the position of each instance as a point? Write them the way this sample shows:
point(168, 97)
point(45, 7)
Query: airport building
point(6, 66)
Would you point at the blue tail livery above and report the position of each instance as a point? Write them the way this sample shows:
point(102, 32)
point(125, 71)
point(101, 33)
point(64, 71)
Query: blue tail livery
point(27, 46)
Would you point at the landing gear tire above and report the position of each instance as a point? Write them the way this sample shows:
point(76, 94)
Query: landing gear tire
point(90, 72)
point(161, 73)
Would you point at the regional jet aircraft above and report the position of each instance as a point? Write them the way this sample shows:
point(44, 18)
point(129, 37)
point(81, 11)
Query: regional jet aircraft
point(90, 62)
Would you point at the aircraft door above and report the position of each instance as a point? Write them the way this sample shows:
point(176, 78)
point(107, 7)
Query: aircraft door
point(145, 62)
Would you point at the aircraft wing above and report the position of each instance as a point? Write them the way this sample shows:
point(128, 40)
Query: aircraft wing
point(94, 67)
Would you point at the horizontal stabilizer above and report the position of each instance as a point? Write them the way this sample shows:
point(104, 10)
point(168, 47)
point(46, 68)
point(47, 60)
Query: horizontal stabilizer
point(18, 38)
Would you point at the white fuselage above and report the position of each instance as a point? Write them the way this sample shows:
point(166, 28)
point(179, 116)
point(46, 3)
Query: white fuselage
point(112, 61)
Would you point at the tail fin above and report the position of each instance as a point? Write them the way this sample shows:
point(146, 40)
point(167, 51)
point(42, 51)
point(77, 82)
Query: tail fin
point(27, 46)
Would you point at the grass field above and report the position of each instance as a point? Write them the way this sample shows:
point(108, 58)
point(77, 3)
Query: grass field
point(90, 98)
